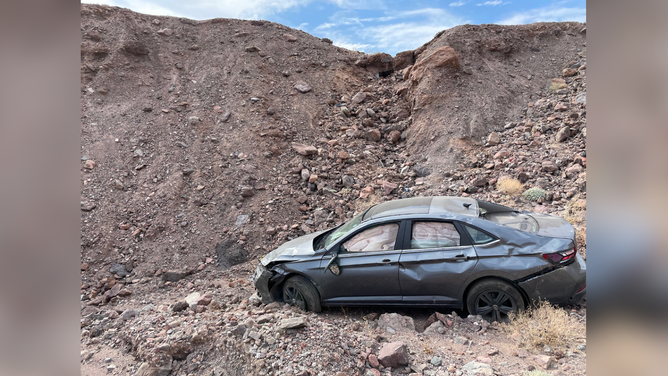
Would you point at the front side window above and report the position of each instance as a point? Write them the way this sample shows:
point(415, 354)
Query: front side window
point(379, 238)
point(434, 235)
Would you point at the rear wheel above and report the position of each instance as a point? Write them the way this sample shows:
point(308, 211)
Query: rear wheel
point(300, 292)
point(494, 300)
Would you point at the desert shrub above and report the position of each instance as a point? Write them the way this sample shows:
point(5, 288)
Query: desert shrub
point(545, 324)
point(509, 186)
point(535, 193)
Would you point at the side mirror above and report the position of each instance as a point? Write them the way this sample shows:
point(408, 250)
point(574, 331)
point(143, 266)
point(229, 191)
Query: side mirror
point(332, 266)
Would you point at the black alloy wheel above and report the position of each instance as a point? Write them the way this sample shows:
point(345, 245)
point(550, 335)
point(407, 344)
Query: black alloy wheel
point(300, 292)
point(292, 296)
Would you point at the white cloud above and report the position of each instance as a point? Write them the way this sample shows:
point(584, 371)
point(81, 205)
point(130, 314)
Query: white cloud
point(548, 14)
point(302, 25)
point(353, 46)
point(457, 4)
point(411, 29)
point(148, 7)
point(359, 4)
point(103, 2)
point(402, 36)
point(248, 9)
point(493, 3)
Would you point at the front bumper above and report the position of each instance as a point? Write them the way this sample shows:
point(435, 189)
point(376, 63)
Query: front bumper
point(266, 282)
point(562, 286)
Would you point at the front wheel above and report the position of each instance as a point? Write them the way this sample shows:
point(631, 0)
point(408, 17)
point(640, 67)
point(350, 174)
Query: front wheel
point(494, 300)
point(300, 292)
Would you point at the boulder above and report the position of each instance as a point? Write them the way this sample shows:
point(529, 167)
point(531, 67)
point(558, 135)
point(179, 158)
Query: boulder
point(394, 322)
point(403, 59)
point(393, 354)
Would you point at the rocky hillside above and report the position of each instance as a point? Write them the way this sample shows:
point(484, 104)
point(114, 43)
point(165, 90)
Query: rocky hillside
point(205, 144)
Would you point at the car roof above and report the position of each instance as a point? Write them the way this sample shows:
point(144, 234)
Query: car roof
point(424, 205)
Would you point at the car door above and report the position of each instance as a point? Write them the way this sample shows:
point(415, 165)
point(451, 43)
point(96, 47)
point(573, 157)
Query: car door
point(368, 263)
point(436, 261)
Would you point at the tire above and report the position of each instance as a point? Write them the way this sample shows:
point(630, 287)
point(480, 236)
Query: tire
point(494, 299)
point(300, 292)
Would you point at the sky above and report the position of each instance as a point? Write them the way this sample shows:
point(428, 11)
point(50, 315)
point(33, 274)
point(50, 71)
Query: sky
point(389, 26)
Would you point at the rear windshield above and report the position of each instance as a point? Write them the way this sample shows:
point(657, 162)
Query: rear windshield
point(513, 219)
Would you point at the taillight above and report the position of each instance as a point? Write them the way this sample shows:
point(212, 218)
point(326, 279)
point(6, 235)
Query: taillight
point(560, 257)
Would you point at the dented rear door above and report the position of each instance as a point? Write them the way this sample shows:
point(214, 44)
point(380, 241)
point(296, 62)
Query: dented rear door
point(434, 275)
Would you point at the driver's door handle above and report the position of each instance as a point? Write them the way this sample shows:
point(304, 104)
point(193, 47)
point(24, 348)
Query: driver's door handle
point(386, 261)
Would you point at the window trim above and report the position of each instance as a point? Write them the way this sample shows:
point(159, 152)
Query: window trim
point(494, 237)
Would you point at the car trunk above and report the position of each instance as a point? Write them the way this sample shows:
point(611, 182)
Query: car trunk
point(539, 224)
point(555, 227)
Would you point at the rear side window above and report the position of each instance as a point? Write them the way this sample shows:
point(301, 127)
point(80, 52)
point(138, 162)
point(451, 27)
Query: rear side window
point(379, 238)
point(478, 236)
point(434, 235)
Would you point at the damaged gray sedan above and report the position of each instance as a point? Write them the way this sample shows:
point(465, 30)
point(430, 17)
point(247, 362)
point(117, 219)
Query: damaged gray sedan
point(454, 252)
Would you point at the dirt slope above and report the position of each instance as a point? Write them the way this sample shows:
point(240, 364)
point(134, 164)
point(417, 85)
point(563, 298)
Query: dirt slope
point(205, 144)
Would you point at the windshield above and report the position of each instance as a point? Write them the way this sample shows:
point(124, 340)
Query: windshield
point(335, 234)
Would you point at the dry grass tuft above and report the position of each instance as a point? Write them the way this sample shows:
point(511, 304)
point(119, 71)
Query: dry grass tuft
point(536, 372)
point(546, 325)
point(509, 186)
point(363, 204)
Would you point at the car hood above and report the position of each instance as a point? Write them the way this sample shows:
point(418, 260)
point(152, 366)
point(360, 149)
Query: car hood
point(302, 246)
point(553, 226)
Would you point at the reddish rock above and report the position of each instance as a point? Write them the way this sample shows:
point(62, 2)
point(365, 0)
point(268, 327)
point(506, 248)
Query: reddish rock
point(573, 171)
point(389, 187)
point(84, 266)
point(394, 354)
point(312, 178)
point(480, 182)
point(204, 300)
point(403, 59)
point(290, 37)
point(549, 166)
point(493, 139)
point(502, 154)
point(394, 136)
point(484, 359)
point(359, 97)
point(543, 361)
point(560, 107)
point(366, 191)
point(563, 134)
point(124, 226)
point(304, 149)
point(568, 72)
point(373, 135)
point(400, 114)
point(373, 361)
point(342, 155)
point(90, 164)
